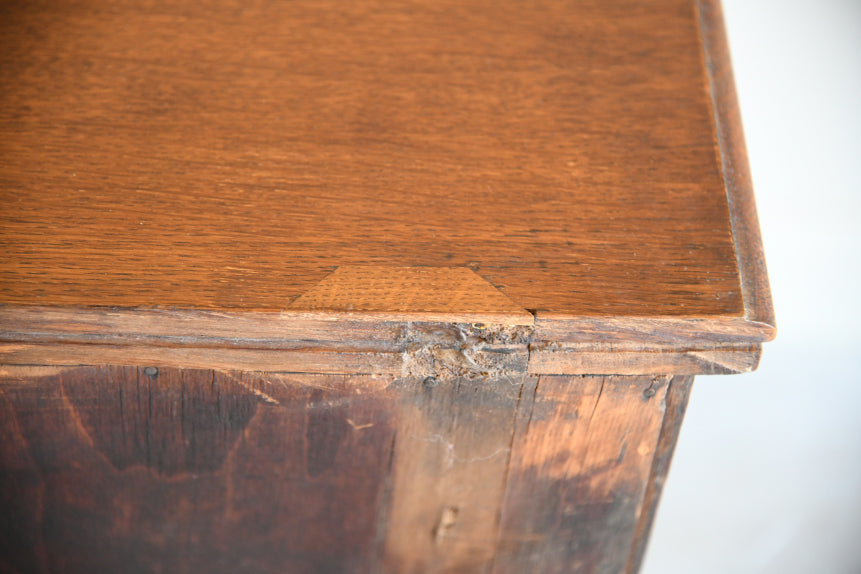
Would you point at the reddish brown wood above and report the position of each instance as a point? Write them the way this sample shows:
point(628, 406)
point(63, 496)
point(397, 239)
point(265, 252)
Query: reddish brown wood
point(150, 469)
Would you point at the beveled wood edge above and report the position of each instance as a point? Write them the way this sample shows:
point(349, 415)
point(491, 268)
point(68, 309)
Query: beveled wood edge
point(262, 329)
point(732, 152)
point(722, 360)
point(411, 293)
point(658, 330)
point(373, 343)
point(415, 360)
point(244, 329)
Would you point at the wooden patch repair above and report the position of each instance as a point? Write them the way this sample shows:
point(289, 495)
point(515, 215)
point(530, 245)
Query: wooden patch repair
point(432, 293)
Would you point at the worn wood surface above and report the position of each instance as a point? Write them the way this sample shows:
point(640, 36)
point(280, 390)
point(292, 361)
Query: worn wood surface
point(119, 469)
point(451, 354)
point(130, 470)
point(581, 458)
point(229, 156)
point(365, 249)
point(451, 462)
point(636, 359)
point(109, 335)
point(676, 402)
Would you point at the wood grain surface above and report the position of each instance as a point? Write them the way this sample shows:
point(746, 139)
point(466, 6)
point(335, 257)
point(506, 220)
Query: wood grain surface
point(402, 286)
point(424, 294)
point(579, 470)
point(155, 469)
point(675, 404)
point(146, 470)
point(229, 156)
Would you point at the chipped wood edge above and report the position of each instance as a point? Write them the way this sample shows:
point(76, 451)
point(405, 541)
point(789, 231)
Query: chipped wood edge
point(418, 350)
point(245, 329)
point(747, 239)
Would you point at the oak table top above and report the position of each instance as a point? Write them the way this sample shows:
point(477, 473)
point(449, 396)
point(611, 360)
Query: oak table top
point(246, 170)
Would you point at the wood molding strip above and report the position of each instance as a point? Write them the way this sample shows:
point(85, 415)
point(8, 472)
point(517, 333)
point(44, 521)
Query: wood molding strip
point(756, 293)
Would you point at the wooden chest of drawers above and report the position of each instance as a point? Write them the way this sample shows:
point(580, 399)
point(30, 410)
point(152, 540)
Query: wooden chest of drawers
point(361, 286)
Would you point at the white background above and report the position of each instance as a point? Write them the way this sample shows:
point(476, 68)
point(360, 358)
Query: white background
point(767, 472)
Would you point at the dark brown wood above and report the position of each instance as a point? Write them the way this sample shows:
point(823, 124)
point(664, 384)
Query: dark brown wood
point(450, 467)
point(133, 470)
point(151, 469)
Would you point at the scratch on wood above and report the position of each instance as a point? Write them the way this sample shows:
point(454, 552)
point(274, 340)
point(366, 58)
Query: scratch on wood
point(75, 418)
point(256, 391)
point(558, 423)
point(26, 372)
point(595, 406)
point(358, 426)
point(304, 382)
point(451, 456)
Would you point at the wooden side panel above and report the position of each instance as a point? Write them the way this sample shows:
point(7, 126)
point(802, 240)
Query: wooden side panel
point(676, 403)
point(132, 470)
point(451, 458)
point(582, 455)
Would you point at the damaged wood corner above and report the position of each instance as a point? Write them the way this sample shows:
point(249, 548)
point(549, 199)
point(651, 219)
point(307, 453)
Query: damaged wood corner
point(446, 352)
